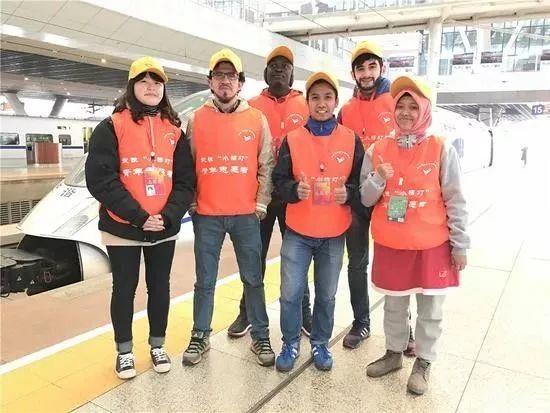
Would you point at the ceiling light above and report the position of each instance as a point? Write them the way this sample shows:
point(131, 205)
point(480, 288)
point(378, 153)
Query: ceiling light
point(26, 78)
point(103, 60)
point(68, 93)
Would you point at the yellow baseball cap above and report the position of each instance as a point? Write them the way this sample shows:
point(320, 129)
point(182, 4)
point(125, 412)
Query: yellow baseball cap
point(413, 83)
point(366, 46)
point(147, 64)
point(280, 51)
point(226, 55)
point(326, 76)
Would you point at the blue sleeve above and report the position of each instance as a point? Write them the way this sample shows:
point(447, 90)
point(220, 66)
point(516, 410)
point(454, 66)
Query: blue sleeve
point(384, 86)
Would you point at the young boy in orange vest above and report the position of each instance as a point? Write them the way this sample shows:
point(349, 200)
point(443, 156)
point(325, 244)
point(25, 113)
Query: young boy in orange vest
point(317, 175)
point(369, 113)
point(285, 109)
point(231, 146)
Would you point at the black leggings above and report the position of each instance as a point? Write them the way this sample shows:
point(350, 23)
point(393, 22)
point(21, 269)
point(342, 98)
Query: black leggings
point(125, 261)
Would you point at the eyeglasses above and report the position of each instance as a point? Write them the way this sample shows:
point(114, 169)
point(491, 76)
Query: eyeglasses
point(225, 75)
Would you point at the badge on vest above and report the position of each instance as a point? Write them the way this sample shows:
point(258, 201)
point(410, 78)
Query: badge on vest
point(154, 182)
point(321, 192)
point(397, 208)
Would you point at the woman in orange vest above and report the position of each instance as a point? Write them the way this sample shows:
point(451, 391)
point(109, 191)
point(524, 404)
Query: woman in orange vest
point(140, 169)
point(419, 228)
point(317, 174)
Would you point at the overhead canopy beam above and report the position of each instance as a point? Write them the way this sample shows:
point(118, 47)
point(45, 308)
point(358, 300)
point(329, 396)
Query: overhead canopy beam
point(357, 30)
point(493, 97)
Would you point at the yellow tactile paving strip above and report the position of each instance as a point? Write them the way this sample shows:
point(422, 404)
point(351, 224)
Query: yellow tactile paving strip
point(74, 376)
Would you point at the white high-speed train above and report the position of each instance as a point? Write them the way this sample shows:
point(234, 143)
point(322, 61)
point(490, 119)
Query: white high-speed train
point(62, 228)
point(16, 132)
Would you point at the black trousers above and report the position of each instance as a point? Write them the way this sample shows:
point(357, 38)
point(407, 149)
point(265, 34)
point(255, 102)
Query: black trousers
point(357, 243)
point(125, 261)
point(276, 210)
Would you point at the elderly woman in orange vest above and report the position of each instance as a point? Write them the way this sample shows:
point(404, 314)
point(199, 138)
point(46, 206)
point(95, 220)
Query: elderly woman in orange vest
point(418, 226)
point(140, 169)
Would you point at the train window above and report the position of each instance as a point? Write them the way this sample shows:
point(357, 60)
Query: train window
point(9, 138)
point(65, 140)
point(38, 137)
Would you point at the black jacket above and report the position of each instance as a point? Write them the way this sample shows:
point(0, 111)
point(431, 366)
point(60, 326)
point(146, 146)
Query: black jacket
point(287, 187)
point(102, 179)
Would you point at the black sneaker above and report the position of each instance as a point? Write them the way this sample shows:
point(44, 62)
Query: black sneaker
point(356, 335)
point(264, 352)
point(239, 327)
point(200, 343)
point(125, 366)
point(307, 324)
point(161, 361)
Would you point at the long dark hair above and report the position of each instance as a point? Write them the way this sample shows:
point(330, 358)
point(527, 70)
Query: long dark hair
point(138, 110)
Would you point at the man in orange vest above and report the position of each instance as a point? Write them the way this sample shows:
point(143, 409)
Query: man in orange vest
point(285, 110)
point(369, 113)
point(231, 145)
point(317, 174)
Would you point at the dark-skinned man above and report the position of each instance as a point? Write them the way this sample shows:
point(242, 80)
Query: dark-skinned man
point(285, 109)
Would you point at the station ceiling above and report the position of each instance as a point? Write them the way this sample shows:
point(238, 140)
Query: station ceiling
point(40, 76)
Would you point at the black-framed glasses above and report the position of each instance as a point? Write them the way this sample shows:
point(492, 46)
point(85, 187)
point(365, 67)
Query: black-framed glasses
point(225, 75)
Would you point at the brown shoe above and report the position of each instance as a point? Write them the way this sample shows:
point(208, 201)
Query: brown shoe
point(420, 374)
point(387, 363)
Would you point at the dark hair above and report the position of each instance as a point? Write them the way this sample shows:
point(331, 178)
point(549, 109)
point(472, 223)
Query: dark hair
point(362, 58)
point(138, 110)
point(321, 81)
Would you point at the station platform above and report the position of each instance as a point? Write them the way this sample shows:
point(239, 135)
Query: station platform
point(493, 354)
point(21, 187)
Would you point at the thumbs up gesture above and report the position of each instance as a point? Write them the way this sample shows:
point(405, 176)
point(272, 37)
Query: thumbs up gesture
point(340, 192)
point(304, 189)
point(385, 169)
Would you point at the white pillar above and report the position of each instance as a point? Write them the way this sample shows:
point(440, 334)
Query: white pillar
point(57, 106)
point(483, 44)
point(15, 103)
point(434, 51)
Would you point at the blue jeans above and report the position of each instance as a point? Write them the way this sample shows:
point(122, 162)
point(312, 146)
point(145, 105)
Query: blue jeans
point(296, 254)
point(244, 231)
point(357, 243)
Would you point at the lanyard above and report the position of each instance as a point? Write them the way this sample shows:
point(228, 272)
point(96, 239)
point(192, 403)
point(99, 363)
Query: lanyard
point(151, 138)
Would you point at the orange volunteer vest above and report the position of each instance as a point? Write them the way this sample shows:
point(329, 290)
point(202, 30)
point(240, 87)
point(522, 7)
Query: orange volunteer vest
point(283, 115)
point(324, 159)
point(371, 119)
point(226, 160)
point(416, 176)
point(136, 142)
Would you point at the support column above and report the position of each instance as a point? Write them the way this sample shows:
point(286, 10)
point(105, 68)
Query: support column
point(434, 50)
point(485, 115)
point(483, 39)
point(15, 103)
point(57, 106)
